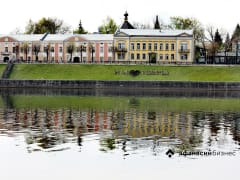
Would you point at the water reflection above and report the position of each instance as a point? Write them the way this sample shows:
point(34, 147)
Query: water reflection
point(130, 131)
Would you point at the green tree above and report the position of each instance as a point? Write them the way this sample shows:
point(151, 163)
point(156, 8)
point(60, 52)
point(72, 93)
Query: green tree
point(44, 25)
point(236, 33)
point(91, 49)
point(47, 50)
point(218, 39)
point(29, 29)
point(227, 45)
point(80, 29)
point(70, 50)
point(108, 27)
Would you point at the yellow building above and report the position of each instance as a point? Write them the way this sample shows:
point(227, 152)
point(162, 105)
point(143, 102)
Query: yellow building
point(152, 45)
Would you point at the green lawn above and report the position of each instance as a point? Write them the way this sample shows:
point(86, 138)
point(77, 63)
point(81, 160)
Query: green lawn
point(2, 67)
point(107, 72)
point(1, 103)
point(156, 104)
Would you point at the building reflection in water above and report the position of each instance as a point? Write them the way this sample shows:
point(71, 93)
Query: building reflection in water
point(126, 130)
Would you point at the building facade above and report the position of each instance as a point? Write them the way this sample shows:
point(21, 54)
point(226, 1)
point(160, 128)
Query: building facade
point(127, 45)
point(154, 46)
point(55, 48)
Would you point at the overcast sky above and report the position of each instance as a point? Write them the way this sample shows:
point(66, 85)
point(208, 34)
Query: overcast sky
point(16, 13)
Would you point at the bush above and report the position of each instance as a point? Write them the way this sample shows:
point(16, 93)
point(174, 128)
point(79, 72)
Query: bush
point(134, 72)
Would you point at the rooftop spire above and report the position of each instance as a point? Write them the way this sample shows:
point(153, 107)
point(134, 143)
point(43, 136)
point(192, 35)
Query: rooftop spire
point(157, 25)
point(126, 24)
point(126, 16)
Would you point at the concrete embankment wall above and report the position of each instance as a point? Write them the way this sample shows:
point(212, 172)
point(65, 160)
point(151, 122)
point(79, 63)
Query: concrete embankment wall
point(89, 84)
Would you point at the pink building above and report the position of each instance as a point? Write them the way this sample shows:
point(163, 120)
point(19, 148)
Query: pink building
point(57, 48)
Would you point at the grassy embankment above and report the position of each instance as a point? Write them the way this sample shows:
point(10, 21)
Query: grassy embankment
point(107, 72)
point(2, 67)
point(157, 104)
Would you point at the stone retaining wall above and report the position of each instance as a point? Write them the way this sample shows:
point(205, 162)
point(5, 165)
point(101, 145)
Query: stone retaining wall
point(89, 84)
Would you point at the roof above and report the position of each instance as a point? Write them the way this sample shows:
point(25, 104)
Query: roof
point(27, 37)
point(98, 37)
point(57, 37)
point(153, 32)
point(127, 25)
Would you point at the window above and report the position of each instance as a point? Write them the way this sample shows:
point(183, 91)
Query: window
point(138, 46)
point(121, 45)
point(6, 49)
point(149, 46)
point(138, 56)
point(144, 46)
point(60, 49)
point(166, 56)
point(132, 46)
point(121, 56)
point(184, 57)
point(161, 46)
point(109, 49)
point(161, 57)
point(184, 46)
point(172, 46)
point(101, 49)
point(166, 47)
point(172, 56)
point(14, 50)
point(132, 56)
point(155, 46)
point(143, 56)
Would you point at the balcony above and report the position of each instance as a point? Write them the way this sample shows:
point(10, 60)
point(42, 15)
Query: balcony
point(184, 50)
point(117, 49)
point(6, 53)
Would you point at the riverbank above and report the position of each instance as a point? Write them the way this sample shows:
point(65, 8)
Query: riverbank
point(125, 72)
point(164, 104)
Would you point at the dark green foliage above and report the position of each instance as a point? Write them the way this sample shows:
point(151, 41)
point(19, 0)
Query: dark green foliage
point(134, 72)
point(218, 38)
point(44, 25)
point(108, 27)
point(80, 29)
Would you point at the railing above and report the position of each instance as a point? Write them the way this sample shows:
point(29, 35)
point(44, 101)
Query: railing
point(184, 50)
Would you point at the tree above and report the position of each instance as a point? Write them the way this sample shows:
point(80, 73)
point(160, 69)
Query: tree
point(227, 45)
point(215, 40)
point(139, 25)
point(50, 25)
point(108, 27)
point(29, 29)
point(218, 39)
point(81, 49)
point(47, 50)
point(80, 29)
point(36, 50)
point(70, 50)
point(178, 22)
point(91, 50)
point(236, 33)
